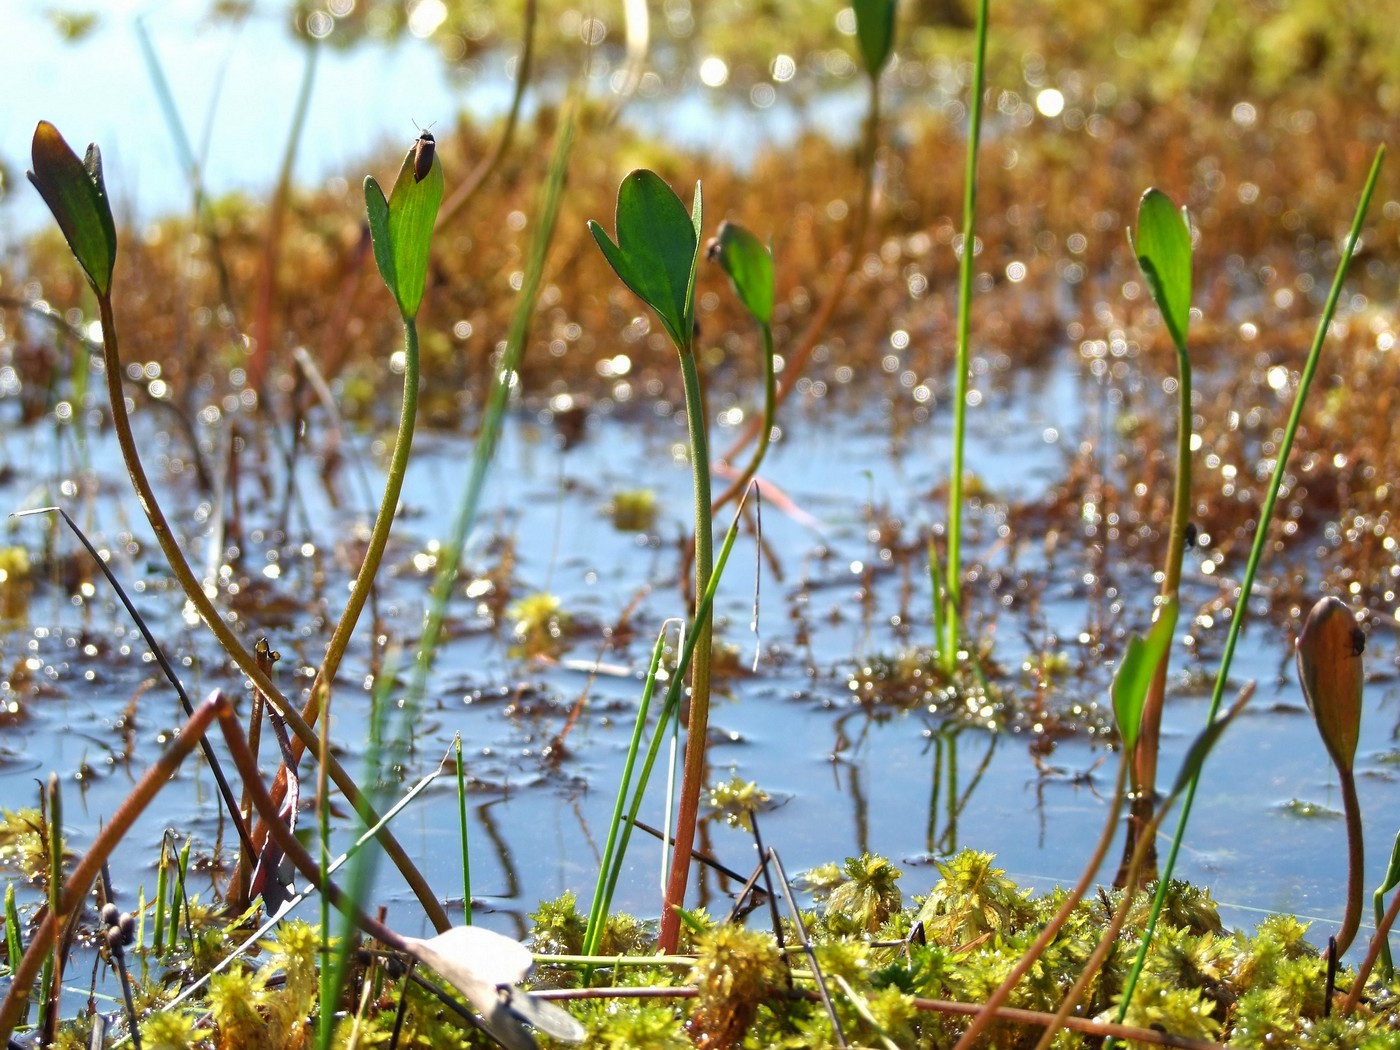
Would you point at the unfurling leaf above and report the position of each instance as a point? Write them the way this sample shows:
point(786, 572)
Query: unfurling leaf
point(75, 193)
point(1163, 248)
point(656, 249)
point(1330, 670)
point(749, 264)
point(401, 228)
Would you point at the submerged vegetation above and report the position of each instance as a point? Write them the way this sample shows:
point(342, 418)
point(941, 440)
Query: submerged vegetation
point(834, 282)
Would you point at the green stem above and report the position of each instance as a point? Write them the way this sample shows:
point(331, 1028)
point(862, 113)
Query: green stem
point(1356, 861)
point(1256, 555)
point(602, 894)
point(1144, 779)
point(227, 639)
point(953, 575)
point(379, 535)
point(668, 708)
point(697, 727)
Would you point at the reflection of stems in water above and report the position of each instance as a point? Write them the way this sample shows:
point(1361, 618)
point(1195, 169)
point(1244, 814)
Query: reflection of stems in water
point(947, 738)
point(862, 810)
point(502, 849)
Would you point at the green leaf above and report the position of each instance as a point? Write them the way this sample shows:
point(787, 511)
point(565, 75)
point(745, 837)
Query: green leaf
point(1134, 675)
point(401, 229)
point(1331, 673)
point(656, 250)
point(874, 32)
point(377, 206)
point(1163, 247)
point(75, 193)
point(749, 265)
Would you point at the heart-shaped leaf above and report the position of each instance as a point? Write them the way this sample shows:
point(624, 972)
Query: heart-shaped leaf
point(1134, 675)
point(874, 32)
point(656, 249)
point(1163, 247)
point(401, 229)
point(74, 191)
point(1330, 670)
point(749, 264)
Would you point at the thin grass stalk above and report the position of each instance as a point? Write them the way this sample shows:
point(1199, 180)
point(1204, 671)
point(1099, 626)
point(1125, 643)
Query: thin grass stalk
point(461, 770)
point(668, 710)
point(158, 652)
point(602, 893)
point(697, 725)
point(52, 979)
point(162, 877)
point(228, 640)
point(952, 574)
point(1256, 555)
point(493, 419)
point(378, 538)
point(111, 835)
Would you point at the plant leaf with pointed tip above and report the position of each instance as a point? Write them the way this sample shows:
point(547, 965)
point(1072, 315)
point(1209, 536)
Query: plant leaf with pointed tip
point(401, 229)
point(749, 265)
point(1163, 248)
point(874, 32)
point(75, 193)
point(656, 249)
point(377, 207)
point(1331, 673)
point(1134, 675)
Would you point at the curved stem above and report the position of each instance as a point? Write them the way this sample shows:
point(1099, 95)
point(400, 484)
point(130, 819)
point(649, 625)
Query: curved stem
point(697, 726)
point(1356, 861)
point(378, 538)
point(227, 639)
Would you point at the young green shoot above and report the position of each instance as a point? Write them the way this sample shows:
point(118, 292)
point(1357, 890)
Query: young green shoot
point(1256, 556)
point(1162, 244)
point(656, 254)
point(76, 195)
point(748, 262)
point(946, 580)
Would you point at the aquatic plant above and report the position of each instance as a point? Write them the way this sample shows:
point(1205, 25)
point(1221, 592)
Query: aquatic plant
point(946, 577)
point(655, 254)
point(1162, 245)
point(1331, 674)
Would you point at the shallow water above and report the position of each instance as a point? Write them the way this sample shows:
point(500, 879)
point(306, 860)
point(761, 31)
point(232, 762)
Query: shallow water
point(911, 785)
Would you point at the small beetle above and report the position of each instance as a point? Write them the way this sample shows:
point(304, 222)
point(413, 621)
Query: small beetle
point(1358, 641)
point(423, 151)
